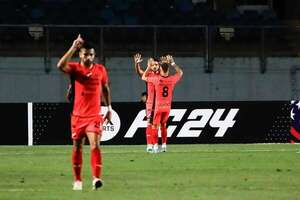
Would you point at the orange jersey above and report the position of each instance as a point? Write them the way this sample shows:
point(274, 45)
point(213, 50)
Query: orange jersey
point(88, 84)
point(164, 87)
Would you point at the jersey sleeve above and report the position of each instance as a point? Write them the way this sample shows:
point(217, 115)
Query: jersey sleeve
point(72, 67)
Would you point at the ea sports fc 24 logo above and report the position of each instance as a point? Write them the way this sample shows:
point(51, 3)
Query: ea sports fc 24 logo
point(110, 130)
point(192, 127)
point(197, 119)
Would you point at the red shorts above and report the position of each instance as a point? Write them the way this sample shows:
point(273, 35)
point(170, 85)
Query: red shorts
point(81, 125)
point(161, 117)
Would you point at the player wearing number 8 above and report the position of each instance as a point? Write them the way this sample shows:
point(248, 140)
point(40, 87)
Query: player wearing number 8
point(164, 86)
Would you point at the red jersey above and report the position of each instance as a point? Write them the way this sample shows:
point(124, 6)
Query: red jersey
point(150, 91)
point(164, 87)
point(88, 88)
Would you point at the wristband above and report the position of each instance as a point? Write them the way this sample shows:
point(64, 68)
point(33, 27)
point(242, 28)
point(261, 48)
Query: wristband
point(172, 63)
point(109, 108)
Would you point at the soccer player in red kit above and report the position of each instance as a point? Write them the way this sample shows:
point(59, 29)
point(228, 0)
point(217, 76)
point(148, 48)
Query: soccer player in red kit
point(90, 84)
point(164, 86)
point(154, 65)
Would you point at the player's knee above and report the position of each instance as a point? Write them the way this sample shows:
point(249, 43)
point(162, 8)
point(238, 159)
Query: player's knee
point(77, 145)
point(94, 145)
point(155, 126)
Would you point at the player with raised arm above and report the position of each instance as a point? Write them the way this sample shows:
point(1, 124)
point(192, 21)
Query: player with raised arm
point(154, 65)
point(164, 86)
point(90, 84)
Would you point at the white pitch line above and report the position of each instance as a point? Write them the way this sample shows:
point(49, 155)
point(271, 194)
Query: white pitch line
point(233, 151)
point(21, 190)
point(123, 151)
point(16, 154)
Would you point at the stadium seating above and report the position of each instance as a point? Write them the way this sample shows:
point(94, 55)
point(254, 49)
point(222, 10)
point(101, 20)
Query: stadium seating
point(126, 12)
point(134, 12)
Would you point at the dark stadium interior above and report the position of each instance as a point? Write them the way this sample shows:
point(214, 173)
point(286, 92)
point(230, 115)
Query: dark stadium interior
point(115, 25)
point(130, 12)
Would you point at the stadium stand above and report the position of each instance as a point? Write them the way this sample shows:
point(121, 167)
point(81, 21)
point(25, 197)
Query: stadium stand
point(131, 12)
point(206, 38)
point(243, 23)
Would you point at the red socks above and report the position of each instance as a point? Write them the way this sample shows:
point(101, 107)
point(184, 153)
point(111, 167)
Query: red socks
point(154, 135)
point(164, 135)
point(148, 134)
point(77, 163)
point(96, 162)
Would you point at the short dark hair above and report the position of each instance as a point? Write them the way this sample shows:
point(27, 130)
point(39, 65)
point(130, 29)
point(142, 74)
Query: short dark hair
point(144, 94)
point(156, 60)
point(165, 67)
point(87, 45)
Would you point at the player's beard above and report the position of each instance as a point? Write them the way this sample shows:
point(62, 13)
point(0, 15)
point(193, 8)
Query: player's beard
point(87, 63)
point(156, 70)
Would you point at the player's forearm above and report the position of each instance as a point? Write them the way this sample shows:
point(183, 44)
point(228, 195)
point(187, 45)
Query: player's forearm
point(138, 69)
point(106, 95)
point(63, 62)
point(145, 74)
point(177, 69)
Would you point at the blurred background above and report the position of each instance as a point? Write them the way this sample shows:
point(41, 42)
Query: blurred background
point(233, 50)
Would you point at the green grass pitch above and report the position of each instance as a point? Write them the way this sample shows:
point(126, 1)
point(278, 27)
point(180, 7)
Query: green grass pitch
point(185, 172)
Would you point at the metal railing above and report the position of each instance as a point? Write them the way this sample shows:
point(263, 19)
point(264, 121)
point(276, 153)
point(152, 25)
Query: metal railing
point(204, 41)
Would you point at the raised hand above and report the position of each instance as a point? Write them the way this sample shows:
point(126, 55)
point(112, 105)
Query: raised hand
point(63, 61)
point(170, 59)
point(149, 63)
point(77, 43)
point(163, 59)
point(137, 58)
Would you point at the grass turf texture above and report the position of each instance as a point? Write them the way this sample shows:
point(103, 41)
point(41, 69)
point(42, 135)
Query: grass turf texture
point(188, 172)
